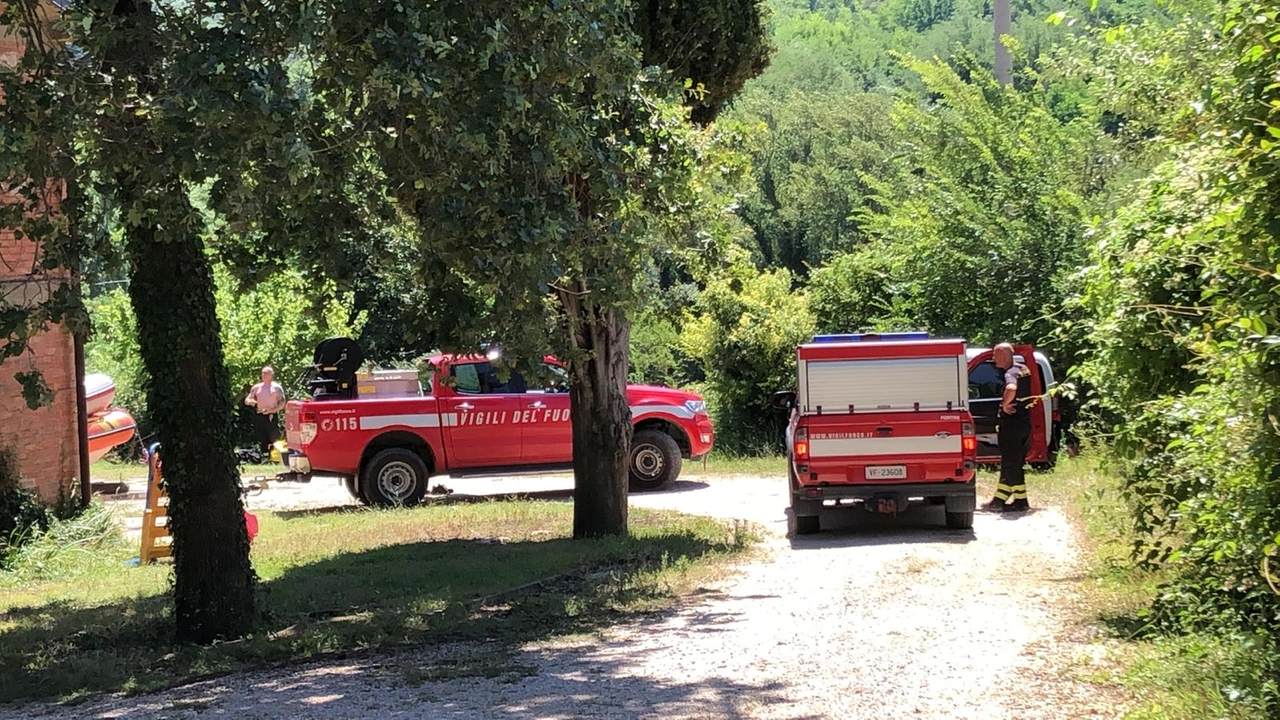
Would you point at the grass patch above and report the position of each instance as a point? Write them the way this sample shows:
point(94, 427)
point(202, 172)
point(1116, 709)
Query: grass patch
point(113, 471)
point(77, 548)
point(1187, 677)
point(135, 473)
point(352, 580)
point(723, 464)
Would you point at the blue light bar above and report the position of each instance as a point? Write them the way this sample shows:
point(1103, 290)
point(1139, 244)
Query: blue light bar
point(866, 337)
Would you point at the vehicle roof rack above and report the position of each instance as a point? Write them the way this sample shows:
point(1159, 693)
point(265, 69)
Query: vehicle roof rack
point(867, 337)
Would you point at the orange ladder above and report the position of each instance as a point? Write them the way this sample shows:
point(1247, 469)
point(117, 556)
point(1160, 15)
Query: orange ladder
point(155, 518)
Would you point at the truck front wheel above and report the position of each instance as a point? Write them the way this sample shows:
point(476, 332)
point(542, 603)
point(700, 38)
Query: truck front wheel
point(655, 460)
point(394, 477)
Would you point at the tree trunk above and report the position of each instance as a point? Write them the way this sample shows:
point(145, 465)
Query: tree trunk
point(599, 412)
point(190, 399)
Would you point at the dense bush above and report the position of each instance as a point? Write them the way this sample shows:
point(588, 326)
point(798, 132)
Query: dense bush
point(985, 213)
point(66, 547)
point(22, 515)
point(277, 323)
point(656, 355)
point(745, 335)
point(857, 291)
point(1186, 332)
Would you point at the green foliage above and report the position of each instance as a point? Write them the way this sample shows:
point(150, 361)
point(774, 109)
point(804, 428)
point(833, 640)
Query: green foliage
point(66, 548)
point(815, 160)
point(1186, 326)
point(22, 515)
point(745, 334)
point(920, 15)
point(656, 357)
point(113, 349)
point(715, 47)
point(277, 323)
point(985, 217)
point(856, 292)
point(35, 391)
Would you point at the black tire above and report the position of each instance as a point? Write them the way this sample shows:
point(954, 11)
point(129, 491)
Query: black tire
point(394, 477)
point(655, 460)
point(960, 520)
point(803, 511)
point(807, 524)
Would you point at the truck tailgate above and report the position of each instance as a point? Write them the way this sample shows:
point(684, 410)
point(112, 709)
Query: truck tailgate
point(885, 448)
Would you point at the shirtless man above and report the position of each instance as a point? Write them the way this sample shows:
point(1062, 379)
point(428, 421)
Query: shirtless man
point(268, 397)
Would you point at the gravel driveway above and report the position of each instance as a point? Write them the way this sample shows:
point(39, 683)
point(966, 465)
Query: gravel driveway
point(873, 618)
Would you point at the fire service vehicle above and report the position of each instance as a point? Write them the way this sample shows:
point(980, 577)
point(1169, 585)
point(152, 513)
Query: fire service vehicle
point(386, 433)
point(880, 421)
point(986, 388)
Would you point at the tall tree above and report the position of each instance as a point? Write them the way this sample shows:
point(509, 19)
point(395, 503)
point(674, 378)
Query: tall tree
point(714, 47)
point(134, 109)
point(539, 162)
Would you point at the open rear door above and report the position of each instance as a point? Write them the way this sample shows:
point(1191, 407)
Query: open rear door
point(986, 386)
point(1039, 427)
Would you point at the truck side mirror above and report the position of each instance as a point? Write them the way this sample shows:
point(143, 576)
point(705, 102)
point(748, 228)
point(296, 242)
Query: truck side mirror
point(784, 399)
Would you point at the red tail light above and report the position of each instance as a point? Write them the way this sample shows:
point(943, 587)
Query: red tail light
point(800, 444)
point(307, 427)
point(968, 439)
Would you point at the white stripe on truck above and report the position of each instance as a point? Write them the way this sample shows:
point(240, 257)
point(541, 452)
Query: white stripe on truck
point(430, 420)
point(884, 446)
point(377, 422)
point(638, 411)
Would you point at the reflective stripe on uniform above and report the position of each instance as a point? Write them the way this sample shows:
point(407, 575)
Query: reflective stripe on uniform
point(1009, 493)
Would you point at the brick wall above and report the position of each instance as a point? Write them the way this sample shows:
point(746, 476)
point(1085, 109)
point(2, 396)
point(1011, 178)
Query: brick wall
point(46, 441)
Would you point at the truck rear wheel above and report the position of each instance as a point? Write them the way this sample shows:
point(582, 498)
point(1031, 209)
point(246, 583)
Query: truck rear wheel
point(807, 524)
point(805, 512)
point(655, 460)
point(960, 520)
point(394, 477)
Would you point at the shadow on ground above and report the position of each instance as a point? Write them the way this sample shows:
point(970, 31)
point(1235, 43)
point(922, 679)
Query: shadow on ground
point(585, 683)
point(378, 599)
point(561, 494)
point(855, 527)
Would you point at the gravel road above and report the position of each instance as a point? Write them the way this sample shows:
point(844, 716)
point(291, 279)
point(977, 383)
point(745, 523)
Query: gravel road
point(873, 618)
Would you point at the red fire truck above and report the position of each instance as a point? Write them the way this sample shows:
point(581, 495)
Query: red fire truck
point(880, 421)
point(386, 437)
point(986, 388)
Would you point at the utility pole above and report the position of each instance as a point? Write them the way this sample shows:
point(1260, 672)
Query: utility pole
point(1004, 26)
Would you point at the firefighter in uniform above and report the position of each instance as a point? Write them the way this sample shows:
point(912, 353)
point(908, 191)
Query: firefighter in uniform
point(1014, 431)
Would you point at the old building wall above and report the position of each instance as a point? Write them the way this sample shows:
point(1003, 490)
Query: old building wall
point(45, 441)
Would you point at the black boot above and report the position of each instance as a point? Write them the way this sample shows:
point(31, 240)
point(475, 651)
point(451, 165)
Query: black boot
point(993, 506)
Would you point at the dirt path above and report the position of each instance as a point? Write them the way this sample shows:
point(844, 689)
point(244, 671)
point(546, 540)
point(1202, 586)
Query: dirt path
point(873, 618)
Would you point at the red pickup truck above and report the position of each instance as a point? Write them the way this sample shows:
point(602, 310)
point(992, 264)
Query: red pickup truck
point(880, 421)
point(386, 442)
